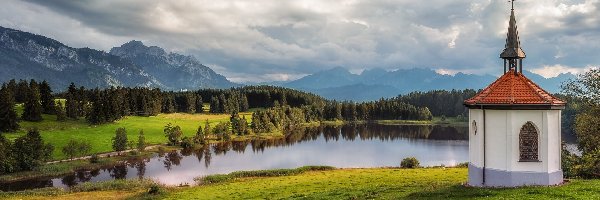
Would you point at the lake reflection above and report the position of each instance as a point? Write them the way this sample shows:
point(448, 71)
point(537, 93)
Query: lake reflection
point(348, 146)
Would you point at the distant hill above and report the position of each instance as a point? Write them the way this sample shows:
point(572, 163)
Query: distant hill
point(338, 83)
point(25, 55)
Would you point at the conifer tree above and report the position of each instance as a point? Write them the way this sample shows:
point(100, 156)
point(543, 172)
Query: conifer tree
point(207, 128)
point(8, 117)
point(199, 106)
point(33, 107)
point(21, 91)
point(72, 103)
point(119, 142)
point(46, 98)
point(215, 105)
point(141, 143)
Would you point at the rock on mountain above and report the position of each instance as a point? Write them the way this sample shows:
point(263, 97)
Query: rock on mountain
point(174, 70)
point(28, 56)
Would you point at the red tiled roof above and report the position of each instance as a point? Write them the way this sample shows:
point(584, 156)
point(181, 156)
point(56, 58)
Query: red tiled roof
point(514, 89)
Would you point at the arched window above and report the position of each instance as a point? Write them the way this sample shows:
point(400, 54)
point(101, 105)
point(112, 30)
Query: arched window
point(528, 143)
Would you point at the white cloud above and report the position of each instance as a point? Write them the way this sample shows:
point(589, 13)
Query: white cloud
point(549, 71)
point(255, 38)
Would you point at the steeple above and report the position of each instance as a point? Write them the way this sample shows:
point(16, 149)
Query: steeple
point(513, 55)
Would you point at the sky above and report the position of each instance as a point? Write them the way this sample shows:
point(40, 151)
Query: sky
point(275, 40)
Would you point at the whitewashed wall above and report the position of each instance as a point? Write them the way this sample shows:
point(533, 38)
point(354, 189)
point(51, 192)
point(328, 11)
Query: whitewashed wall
point(502, 136)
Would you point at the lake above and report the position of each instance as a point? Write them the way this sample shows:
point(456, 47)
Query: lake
point(347, 146)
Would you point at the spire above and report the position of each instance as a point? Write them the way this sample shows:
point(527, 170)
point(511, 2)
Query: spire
point(512, 49)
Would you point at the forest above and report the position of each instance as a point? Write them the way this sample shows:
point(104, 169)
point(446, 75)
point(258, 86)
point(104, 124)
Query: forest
point(99, 106)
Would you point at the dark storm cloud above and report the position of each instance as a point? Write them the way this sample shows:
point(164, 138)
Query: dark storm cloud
point(265, 40)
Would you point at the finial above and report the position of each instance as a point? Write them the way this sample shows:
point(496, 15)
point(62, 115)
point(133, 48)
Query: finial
point(512, 4)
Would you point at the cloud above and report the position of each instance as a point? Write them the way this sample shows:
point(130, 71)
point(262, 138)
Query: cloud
point(250, 39)
point(555, 70)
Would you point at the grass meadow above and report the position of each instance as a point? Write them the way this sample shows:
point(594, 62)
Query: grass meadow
point(100, 136)
point(373, 183)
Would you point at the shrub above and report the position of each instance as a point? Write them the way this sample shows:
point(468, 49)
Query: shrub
point(94, 158)
point(187, 142)
point(410, 162)
point(76, 148)
point(462, 165)
point(154, 189)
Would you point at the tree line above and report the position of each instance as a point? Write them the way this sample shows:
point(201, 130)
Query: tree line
point(440, 102)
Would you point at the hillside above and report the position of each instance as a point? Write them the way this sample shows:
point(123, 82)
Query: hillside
point(28, 56)
point(174, 70)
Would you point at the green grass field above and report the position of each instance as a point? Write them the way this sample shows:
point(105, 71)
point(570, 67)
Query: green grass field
point(376, 183)
point(59, 133)
point(428, 183)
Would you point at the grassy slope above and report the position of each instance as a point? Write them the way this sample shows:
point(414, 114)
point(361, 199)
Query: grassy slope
point(429, 183)
point(59, 133)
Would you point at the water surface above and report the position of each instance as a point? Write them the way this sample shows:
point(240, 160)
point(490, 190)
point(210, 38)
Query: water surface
point(347, 146)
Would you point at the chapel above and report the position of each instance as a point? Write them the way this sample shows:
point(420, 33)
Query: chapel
point(514, 127)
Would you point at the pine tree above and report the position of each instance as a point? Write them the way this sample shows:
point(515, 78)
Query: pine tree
point(207, 130)
point(199, 106)
point(8, 117)
point(141, 143)
point(119, 142)
point(215, 105)
point(72, 103)
point(46, 98)
point(199, 138)
point(33, 107)
point(21, 91)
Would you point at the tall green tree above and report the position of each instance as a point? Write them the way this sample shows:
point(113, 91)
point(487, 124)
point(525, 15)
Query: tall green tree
point(586, 87)
point(199, 104)
point(33, 107)
point(173, 134)
point(9, 121)
point(46, 98)
point(119, 142)
point(21, 91)
point(72, 102)
point(199, 138)
point(141, 143)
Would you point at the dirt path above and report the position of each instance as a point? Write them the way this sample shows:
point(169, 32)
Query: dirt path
point(102, 155)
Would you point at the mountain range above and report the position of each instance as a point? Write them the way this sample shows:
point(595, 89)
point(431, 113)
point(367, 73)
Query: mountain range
point(338, 83)
point(25, 55)
point(29, 56)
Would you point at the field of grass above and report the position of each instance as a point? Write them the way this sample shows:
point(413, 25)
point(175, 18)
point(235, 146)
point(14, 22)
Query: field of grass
point(376, 183)
point(59, 133)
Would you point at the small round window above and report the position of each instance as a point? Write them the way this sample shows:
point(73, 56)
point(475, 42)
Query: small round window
point(474, 127)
